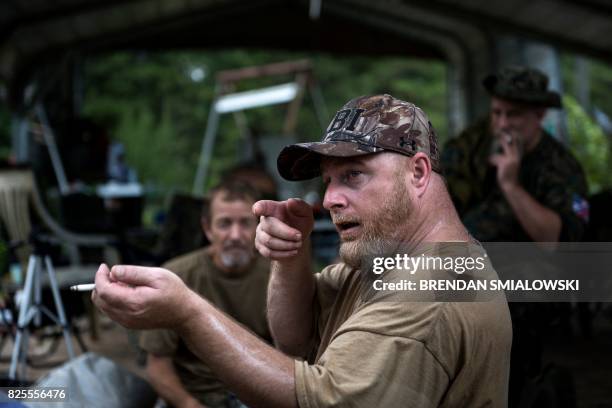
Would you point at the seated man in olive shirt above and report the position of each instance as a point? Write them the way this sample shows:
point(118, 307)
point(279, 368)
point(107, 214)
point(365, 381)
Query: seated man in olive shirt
point(233, 278)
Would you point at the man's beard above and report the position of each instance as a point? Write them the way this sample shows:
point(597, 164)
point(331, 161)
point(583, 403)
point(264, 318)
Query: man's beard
point(379, 235)
point(235, 257)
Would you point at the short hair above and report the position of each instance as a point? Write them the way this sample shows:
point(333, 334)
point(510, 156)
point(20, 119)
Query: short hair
point(232, 190)
point(253, 173)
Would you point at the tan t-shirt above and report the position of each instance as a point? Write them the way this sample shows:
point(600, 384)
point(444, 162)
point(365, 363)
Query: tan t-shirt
point(242, 297)
point(402, 354)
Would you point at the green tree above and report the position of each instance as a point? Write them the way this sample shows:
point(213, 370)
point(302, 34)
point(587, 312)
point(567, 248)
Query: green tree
point(589, 144)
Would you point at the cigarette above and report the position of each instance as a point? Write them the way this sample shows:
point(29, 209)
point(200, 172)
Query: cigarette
point(83, 288)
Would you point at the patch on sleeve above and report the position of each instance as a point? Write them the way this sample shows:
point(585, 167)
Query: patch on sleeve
point(580, 206)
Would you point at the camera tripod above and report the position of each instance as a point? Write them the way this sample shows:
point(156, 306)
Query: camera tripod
point(31, 307)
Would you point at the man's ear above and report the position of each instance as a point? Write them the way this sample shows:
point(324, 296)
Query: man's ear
point(206, 228)
point(421, 171)
point(540, 113)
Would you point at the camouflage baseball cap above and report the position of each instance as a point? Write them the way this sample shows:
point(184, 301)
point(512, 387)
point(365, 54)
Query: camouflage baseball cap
point(524, 85)
point(365, 125)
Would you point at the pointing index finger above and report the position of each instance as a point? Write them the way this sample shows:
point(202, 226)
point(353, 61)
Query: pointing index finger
point(265, 208)
point(299, 207)
point(278, 229)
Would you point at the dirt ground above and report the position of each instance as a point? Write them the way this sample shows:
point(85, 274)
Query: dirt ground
point(113, 342)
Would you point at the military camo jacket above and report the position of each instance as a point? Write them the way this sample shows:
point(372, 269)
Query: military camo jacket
point(549, 173)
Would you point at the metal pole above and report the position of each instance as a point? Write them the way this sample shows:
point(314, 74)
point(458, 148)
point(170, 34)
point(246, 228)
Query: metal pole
point(582, 86)
point(56, 161)
point(319, 104)
point(23, 312)
point(207, 147)
point(20, 138)
point(59, 306)
point(37, 296)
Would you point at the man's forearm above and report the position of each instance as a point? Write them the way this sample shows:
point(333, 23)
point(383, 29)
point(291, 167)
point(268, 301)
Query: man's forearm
point(541, 223)
point(166, 382)
point(290, 310)
point(260, 375)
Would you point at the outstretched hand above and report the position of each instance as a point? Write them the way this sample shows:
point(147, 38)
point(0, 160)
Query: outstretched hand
point(139, 297)
point(283, 227)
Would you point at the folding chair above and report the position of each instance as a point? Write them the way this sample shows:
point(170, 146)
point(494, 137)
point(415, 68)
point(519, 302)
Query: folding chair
point(19, 195)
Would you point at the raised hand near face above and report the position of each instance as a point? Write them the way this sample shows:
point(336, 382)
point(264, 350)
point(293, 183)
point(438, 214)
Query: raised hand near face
point(283, 228)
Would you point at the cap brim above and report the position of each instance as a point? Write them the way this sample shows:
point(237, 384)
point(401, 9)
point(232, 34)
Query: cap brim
point(302, 161)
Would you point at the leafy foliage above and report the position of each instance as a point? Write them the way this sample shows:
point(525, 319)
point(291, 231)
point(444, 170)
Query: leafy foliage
point(152, 105)
point(587, 140)
point(589, 144)
point(599, 81)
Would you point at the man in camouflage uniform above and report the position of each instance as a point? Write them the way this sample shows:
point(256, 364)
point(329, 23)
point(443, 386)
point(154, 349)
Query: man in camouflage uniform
point(509, 178)
point(512, 181)
point(335, 346)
